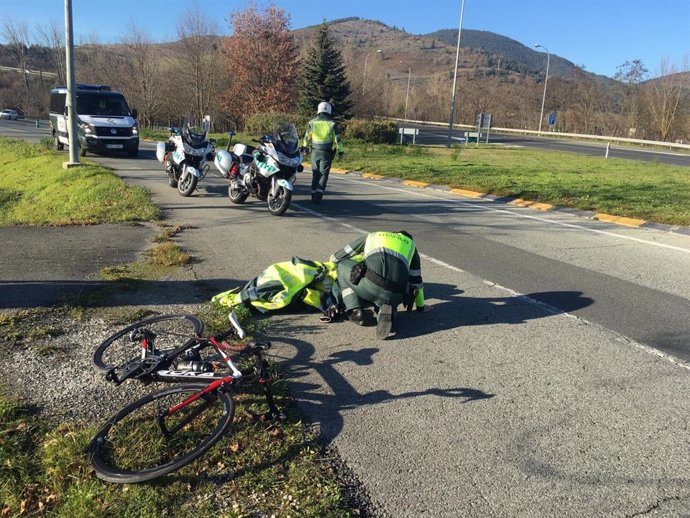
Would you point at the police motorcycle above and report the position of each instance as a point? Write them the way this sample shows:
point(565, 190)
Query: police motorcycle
point(185, 154)
point(266, 172)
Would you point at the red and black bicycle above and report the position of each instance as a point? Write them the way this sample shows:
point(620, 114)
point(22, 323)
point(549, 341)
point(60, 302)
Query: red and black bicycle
point(170, 428)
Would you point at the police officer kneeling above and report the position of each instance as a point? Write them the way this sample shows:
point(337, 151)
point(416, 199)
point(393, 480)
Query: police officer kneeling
point(383, 269)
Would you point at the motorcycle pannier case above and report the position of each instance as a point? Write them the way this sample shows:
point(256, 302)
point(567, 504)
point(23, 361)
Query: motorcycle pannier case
point(160, 151)
point(223, 162)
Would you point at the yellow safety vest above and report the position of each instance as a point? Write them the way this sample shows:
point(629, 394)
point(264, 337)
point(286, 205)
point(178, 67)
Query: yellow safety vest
point(391, 243)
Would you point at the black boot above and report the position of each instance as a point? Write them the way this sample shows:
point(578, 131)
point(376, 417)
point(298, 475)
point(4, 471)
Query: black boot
point(356, 316)
point(316, 198)
point(385, 321)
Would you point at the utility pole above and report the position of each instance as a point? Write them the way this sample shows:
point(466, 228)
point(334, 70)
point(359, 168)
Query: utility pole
point(455, 77)
point(71, 100)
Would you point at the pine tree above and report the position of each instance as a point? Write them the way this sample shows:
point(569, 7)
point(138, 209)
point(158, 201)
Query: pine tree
point(323, 78)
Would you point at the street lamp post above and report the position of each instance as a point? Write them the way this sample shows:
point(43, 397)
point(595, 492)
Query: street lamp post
point(455, 77)
point(71, 99)
point(364, 82)
point(407, 95)
point(546, 80)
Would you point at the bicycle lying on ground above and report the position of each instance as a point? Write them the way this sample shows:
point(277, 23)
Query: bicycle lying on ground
point(170, 428)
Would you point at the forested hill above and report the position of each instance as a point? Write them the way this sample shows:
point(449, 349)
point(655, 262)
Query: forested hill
point(518, 57)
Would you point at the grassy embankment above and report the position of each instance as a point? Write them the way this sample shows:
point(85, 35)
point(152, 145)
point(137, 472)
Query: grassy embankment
point(259, 468)
point(36, 190)
point(647, 190)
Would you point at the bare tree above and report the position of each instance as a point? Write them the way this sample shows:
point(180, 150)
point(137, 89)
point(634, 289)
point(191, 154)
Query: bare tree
point(16, 33)
point(630, 74)
point(198, 56)
point(142, 78)
point(663, 98)
point(97, 63)
point(52, 36)
point(366, 90)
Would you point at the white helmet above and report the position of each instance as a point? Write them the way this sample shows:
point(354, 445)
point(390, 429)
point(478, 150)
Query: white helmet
point(324, 107)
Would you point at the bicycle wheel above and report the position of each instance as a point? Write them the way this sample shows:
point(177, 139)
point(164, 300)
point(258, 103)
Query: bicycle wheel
point(171, 332)
point(142, 442)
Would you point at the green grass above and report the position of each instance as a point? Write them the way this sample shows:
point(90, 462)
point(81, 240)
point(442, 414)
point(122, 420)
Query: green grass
point(260, 468)
point(647, 190)
point(36, 190)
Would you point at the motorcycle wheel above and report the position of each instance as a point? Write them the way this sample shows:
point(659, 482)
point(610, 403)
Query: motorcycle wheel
point(278, 204)
point(186, 187)
point(237, 196)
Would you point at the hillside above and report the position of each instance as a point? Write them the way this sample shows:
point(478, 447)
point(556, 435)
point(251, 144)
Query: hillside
point(427, 54)
point(513, 54)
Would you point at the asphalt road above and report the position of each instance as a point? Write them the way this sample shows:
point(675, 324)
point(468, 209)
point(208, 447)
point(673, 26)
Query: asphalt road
point(430, 135)
point(550, 377)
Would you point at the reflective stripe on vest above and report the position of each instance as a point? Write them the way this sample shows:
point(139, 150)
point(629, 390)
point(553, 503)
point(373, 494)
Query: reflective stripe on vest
point(390, 243)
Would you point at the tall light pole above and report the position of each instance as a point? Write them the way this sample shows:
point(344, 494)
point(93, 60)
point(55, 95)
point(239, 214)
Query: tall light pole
point(364, 82)
point(455, 77)
point(71, 101)
point(546, 80)
point(407, 95)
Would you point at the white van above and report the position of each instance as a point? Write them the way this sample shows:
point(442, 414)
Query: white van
point(105, 123)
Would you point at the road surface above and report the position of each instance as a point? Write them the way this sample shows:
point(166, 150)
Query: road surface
point(550, 377)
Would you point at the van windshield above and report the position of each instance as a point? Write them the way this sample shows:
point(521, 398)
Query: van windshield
point(107, 105)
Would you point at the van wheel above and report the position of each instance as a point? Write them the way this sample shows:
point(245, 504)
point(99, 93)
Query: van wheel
point(59, 146)
point(82, 151)
point(132, 153)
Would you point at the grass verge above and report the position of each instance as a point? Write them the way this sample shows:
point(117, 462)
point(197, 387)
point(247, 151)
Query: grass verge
point(38, 191)
point(648, 190)
point(259, 468)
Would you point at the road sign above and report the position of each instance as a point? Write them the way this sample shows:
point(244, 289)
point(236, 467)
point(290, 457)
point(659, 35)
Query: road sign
point(552, 118)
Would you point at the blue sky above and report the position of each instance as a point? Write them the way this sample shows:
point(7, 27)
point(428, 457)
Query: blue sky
point(599, 34)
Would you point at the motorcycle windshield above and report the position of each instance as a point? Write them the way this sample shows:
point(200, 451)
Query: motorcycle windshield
point(195, 137)
point(286, 140)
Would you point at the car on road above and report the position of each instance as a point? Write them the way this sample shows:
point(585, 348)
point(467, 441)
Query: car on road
point(9, 114)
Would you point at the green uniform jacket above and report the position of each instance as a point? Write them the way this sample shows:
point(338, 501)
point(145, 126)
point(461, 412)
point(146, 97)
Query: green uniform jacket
point(391, 255)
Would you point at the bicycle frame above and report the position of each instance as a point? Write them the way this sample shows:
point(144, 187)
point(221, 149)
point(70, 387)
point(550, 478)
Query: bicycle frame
point(159, 363)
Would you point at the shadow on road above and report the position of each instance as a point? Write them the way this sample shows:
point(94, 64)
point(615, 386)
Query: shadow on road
point(34, 294)
point(327, 407)
point(455, 311)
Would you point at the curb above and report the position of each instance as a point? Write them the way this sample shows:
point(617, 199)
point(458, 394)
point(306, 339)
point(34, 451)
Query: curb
point(519, 202)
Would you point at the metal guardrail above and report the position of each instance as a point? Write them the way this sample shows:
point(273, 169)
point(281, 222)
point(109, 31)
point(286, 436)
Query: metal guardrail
point(32, 72)
point(556, 134)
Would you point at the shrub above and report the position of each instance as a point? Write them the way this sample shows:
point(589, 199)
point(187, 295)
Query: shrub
point(263, 123)
point(372, 131)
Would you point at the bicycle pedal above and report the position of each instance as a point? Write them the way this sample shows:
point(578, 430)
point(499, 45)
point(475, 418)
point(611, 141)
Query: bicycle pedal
point(259, 346)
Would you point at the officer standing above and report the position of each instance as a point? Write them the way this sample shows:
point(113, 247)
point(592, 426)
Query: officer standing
point(383, 269)
point(324, 136)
